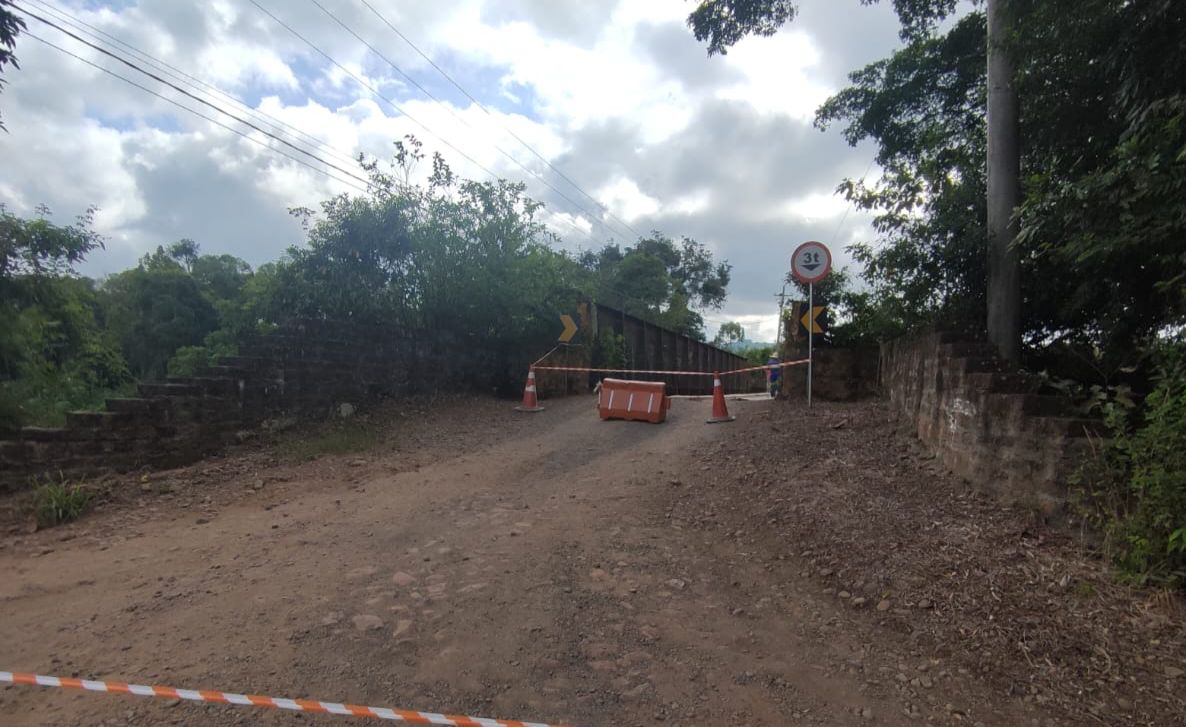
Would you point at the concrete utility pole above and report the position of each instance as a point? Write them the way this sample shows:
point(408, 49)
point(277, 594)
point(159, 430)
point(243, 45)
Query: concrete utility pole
point(1004, 187)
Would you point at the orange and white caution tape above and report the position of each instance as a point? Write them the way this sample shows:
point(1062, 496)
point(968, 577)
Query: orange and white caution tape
point(541, 358)
point(787, 364)
point(622, 371)
point(253, 700)
point(783, 365)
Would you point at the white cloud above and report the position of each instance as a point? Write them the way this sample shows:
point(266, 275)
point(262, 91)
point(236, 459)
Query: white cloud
point(626, 200)
point(815, 207)
point(618, 96)
point(777, 75)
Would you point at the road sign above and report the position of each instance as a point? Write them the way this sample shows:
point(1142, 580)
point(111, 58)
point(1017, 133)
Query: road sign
point(810, 320)
point(570, 328)
point(811, 262)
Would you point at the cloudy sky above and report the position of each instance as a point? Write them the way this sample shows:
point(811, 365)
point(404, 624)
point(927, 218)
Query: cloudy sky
point(617, 96)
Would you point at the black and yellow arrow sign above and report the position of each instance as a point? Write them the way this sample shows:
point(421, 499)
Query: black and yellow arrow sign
point(810, 320)
point(570, 328)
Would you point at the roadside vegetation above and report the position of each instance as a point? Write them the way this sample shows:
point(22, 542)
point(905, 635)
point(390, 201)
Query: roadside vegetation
point(1102, 219)
point(448, 254)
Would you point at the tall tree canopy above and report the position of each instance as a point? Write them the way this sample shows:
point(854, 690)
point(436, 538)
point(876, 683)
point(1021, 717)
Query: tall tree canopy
point(1103, 160)
point(660, 280)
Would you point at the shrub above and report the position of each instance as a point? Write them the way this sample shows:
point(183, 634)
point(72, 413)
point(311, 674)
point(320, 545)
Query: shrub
point(1136, 489)
point(60, 502)
point(333, 439)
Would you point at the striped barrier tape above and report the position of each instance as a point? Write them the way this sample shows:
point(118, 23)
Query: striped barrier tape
point(671, 373)
point(621, 371)
point(785, 364)
point(541, 358)
point(253, 700)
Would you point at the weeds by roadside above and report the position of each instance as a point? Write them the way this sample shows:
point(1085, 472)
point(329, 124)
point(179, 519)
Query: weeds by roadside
point(339, 438)
point(61, 501)
point(1135, 489)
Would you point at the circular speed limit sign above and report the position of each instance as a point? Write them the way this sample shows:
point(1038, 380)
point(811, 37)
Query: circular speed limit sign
point(811, 262)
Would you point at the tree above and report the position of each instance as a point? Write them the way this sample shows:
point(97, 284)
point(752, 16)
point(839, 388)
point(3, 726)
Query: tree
point(660, 281)
point(724, 22)
point(11, 26)
point(729, 333)
point(455, 257)
point(184, 251)
point(924, 107)
point(40, 248)
point(154, 309)
point(54, 355)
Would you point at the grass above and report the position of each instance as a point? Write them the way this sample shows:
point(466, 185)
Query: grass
point(336, 439)
point(60, 502)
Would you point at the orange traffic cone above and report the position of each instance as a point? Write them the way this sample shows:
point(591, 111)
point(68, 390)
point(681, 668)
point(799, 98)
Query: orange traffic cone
point(720, 412)
point(530, 401)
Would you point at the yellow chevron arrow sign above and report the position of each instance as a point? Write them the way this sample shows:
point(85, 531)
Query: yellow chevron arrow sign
point(809, 319)
point(570, 328)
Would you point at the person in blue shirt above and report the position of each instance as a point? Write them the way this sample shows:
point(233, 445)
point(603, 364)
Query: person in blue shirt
point(773, 376)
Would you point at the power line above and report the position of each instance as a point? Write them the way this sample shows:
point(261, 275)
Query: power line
point(449, 110)
point(393, 104)
point(365, 184)
point(199, 114)
point(190, 80)
point(482, 106)
point(194, 80)
point(186, 93)
point(605, 284)
point(848, 208)
point(370, 88)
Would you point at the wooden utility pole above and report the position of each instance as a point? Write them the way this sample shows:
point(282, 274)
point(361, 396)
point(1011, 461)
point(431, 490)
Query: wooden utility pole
point(1004, 187)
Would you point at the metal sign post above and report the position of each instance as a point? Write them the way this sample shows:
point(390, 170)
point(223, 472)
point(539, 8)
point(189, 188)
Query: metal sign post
point(810, 263)
point(810, 340)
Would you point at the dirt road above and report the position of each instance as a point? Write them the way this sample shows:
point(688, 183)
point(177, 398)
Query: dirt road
point(546, 567)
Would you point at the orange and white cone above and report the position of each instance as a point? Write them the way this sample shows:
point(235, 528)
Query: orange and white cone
point(530, 400)
point(720, 412)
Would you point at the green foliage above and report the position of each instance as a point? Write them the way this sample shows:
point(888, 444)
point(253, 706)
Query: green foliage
point(188, 360)
point(759, 355)
point(609, 351)
point(459, 256)
point(472, 258)
point(724, 22)
point(36, 249)
point(154, 309)
point(1103, 268)
point(11, 25)
point(730, 332)
point(1136, 489)
point(924, 106)
point(660, 281)
point(54, 355)
point(333, 439)
point(58, 502)
point(179, 310)
point(453, 257)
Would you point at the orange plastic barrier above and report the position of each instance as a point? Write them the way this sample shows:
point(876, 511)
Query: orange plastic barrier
point(643, 401)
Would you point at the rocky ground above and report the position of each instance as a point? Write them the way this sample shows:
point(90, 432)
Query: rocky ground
point(792, 567)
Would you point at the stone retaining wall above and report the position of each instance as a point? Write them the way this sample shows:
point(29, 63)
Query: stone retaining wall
point(306, 368)
point(984, 422)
